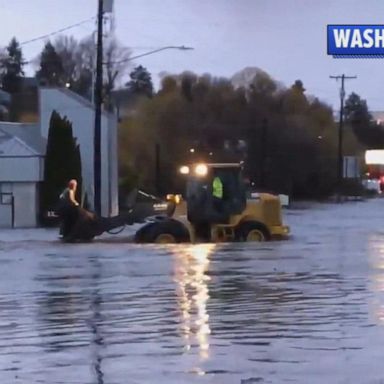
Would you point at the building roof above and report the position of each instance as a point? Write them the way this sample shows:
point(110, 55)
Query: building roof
point(12, 146)
point(26, 133)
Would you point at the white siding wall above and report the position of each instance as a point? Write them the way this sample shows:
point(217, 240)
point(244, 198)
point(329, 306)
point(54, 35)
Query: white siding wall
point(26, 201)
point(14, 169)
point(5, 216)
point(81, 114)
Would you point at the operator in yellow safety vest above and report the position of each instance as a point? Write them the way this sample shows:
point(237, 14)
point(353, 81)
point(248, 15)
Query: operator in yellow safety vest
point(217, 193)
point(217, 188)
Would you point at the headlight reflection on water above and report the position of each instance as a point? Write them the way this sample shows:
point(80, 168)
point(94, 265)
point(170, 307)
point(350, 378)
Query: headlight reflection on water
point(191, 265)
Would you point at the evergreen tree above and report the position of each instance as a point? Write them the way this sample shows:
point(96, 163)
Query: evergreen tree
point(141, 82)
point(358, 117)
point(356, 110)
point(11, 68)
point(51, 70)
point(62, 161)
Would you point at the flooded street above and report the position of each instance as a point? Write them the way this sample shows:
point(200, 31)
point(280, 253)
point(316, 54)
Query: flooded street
point(307, 310)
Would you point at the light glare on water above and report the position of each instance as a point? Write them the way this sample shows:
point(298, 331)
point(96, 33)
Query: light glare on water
point(191, 266)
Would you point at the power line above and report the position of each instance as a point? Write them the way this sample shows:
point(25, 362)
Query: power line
point(58, 31)
point(340, 143)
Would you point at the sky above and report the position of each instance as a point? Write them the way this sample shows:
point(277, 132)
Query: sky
point(285, 38)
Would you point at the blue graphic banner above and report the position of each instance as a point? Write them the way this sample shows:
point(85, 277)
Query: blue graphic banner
point(355, 40)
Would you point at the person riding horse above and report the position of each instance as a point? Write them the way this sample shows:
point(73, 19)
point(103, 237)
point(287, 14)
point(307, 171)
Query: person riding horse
point(69, 208)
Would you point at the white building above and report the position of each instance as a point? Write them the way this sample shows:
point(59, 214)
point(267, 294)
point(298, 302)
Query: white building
point(22, 150)
point(21, 171)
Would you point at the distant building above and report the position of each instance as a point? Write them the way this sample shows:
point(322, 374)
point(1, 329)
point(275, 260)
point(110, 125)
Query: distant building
point(22, 151)
point(378, 117)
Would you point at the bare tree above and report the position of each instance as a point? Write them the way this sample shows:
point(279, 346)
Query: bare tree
point(79, 61)
point(116, 64)
point(67, 47)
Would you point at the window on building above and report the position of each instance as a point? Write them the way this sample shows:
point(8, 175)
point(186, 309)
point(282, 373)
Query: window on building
point(5, 193)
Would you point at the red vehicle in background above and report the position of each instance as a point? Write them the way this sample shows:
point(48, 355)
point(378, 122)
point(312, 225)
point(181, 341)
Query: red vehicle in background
point(374, 160)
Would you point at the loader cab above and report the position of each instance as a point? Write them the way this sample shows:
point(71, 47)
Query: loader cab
point(201, 204)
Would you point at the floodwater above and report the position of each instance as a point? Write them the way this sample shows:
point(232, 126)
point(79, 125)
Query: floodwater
point(307, 310)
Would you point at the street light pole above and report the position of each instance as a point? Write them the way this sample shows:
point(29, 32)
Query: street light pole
point(98, 103)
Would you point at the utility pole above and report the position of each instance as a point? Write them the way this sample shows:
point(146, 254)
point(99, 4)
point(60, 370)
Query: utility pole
point(340, 142)
point(98, 103)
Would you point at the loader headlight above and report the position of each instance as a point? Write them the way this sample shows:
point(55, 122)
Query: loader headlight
point(201, 169)
point(184, 170)
point(174, 198)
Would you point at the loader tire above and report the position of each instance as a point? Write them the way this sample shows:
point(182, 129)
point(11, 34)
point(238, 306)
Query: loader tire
point(163, 232)
point(252, 231)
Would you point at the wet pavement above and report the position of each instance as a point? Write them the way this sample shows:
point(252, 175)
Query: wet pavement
point(307, 310)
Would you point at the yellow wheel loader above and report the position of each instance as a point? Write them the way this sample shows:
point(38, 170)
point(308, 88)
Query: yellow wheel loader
point(202, 217)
